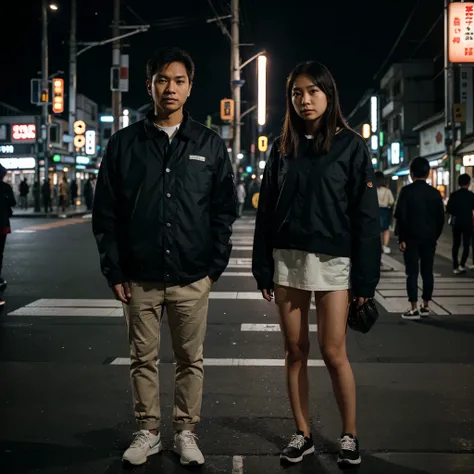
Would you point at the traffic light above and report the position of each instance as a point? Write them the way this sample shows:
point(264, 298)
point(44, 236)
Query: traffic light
point(227, 109)
point(262, 143)
point(58, 95)
point(79, 134)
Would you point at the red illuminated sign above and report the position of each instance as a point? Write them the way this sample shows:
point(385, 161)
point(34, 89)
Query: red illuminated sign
point(22, 132)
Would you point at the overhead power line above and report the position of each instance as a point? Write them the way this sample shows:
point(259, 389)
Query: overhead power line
point(400, 36)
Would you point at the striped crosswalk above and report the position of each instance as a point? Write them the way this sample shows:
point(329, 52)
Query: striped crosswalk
point(451, 296)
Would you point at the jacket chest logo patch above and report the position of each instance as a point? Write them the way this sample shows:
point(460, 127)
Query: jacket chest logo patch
point(369, 184)
point(197, 157)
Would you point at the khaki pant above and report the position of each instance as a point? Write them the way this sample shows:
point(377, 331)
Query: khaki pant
point(186, 307)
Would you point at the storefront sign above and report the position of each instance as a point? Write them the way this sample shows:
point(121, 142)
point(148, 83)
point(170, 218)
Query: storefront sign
point(432, 140)
point(22, 132)
point(468, 160)
point(25, 163)
point(461, 32)
point(467, 97)
point(19, 149)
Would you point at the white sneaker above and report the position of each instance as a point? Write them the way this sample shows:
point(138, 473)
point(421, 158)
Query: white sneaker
point(185, 446)
point(386, 250)
point(143, 445)
point(411, 315)
point(459, 270)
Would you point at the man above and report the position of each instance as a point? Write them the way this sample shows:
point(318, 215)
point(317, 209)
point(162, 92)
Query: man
point(460, 207)
point(420, 220)
point(163, 211)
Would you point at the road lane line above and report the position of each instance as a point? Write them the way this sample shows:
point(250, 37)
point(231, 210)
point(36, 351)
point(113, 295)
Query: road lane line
point(235, 362)
point(24, 231)
point(250, 327)
point(237, 465)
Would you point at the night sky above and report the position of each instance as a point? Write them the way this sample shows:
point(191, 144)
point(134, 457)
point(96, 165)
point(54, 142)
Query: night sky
point(351, 37)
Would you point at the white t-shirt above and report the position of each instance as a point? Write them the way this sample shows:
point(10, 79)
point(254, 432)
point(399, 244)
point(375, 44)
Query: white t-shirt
point(170, 131)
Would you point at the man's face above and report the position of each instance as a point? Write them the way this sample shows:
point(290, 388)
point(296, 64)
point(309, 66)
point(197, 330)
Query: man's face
point(170, 88)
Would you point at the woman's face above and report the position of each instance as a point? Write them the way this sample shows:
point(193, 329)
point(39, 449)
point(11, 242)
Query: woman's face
point(309, 101)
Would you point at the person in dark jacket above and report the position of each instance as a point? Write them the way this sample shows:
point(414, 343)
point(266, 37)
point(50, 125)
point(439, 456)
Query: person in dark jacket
point(164, 206)
point(317, 230)
point(7, 201)
point(420, 221)
point(461, 207)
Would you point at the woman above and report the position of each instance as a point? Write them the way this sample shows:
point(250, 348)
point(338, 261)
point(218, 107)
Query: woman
point(386, 201)
point(7, 201)
point(317, 230)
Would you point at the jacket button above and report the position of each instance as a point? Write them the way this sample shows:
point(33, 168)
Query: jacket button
point(168, 252)
point(168, 195)
point(168, 170)
point(168, 224)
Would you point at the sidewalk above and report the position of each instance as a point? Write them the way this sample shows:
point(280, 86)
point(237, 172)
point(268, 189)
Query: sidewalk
point(30, 213)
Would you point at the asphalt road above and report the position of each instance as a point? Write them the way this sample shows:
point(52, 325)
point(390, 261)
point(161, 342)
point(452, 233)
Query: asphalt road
point(65, 399)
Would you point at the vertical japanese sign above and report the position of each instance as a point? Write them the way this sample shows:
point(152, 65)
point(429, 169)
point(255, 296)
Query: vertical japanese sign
point(467, 97)
point(461, 32)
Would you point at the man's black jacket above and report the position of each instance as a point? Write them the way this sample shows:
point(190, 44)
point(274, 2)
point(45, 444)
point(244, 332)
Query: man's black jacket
point(164, 212)
point(323, 204)
point(419, 213)
point(461, 206)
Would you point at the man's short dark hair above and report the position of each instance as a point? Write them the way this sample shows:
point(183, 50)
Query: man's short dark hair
point(464, 180)
point(164, 57)
point(420, 168)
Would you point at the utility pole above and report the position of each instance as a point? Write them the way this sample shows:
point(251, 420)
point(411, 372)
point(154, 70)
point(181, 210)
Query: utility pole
point(449, 102)
point(72, 69)
point(235, 82)
point(116, 95)
point(45, 93)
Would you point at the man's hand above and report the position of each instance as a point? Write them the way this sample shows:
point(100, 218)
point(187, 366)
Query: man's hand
point(211, 280)
point(122, 292)
point(267, 294)
point(403, 246)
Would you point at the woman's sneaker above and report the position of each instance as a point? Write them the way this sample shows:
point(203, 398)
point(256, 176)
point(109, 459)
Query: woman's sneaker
point(424, 311)
point(299, 447)
point(2, 302)
point(143, 445)
point(349, 454)
point(411, 314)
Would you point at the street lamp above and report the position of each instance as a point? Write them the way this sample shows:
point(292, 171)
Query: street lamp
point(53, 6)
point(262, 89)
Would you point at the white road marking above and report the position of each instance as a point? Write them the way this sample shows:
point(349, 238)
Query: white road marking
point(237, 465)
point(436, 294)
point(391, 262)
point(237, 274)
point(20, 231)
point(248, 327)
point(236, 362)
point(242, 247)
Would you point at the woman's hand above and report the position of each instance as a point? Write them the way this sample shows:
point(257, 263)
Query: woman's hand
point(361, 301)
point(267, 294)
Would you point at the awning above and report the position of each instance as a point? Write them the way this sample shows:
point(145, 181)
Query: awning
point(465, 148)
point(435, 160)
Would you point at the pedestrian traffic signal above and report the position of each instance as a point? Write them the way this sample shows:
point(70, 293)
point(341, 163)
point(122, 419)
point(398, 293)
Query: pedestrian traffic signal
point(227, 109)
point(262, 143)
point(58, 95)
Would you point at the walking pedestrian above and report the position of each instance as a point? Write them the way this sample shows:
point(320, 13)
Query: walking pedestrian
point(420, 221)
point(317, 230)
point(386, 202)
point(461, 207)
point(241, 195)
point(7, 201)
point(163, 211)
point(24, 190)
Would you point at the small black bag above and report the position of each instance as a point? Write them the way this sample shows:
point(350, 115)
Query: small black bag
point(363, 318)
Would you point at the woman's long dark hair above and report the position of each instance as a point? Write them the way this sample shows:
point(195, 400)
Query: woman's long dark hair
point(332, 119)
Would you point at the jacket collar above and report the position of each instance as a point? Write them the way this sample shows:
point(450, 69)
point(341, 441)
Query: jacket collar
point(187, 130)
